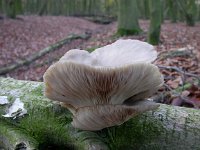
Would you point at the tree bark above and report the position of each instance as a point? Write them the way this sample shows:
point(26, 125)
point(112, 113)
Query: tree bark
point(37, 55)
point(146, 9)
point(168, 127)
point(188, 8)
point(173, 10)
point(128, 18)
point(155, 22)
point(43, 8)
point(191, 13)
point(9, 8)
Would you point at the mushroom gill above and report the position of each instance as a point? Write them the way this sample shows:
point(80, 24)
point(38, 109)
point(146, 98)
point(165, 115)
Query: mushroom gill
point(98, 117)
point(100, 92)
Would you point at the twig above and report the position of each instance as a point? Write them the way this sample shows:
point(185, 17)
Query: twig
point(179, 70)
point(168, 87)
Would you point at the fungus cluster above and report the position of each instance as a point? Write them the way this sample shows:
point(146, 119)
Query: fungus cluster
point(106, 87)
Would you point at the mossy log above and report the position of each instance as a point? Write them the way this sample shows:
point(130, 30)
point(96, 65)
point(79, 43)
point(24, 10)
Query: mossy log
point(12, 138)
point(48, 124)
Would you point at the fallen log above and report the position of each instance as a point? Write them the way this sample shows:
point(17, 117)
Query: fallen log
point(12, 138)
point(186, 52)
point(37, 55)
point(168, 127)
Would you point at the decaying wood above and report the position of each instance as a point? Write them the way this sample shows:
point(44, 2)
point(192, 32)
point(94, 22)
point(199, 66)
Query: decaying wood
point(12, 138)
point(37, 55)
point(168, 127)
point(100, 19)
point(181, 52)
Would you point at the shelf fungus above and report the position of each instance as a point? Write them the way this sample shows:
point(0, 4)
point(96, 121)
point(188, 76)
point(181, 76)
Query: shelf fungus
point(106, 87)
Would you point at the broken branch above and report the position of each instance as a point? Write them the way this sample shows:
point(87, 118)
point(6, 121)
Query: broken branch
point(37, 55)
point(179, 70)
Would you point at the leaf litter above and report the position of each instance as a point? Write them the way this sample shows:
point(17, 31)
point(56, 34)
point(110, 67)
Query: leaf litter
point(179, 50)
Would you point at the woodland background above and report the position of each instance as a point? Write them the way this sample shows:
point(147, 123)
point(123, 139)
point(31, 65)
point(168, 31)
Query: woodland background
point(36, 33)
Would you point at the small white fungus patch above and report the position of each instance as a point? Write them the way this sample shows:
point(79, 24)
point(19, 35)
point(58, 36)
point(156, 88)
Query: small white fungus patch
point(3, 100)
point(17, 109)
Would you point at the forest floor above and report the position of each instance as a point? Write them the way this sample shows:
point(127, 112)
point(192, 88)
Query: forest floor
point(179, 50)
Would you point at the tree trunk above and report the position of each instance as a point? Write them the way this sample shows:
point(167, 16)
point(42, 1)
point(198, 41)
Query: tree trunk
point(1, 8)
point(18, 6)
point(162, 11)
point(128, 18)
point(9, 8)
point(198, 10)
point(146, 9)
point(191, 13)
point(173, 10)
point(43, 8)
point(188, 8)
point(168, 127)
point(155, 22)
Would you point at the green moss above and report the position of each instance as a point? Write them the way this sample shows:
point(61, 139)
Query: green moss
point(38, 91)
point(12, 137)
point(49, 127)
point(131, 135)
point(124, 32)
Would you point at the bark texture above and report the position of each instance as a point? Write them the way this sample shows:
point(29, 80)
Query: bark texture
point(155, 22)
point(168, 127)
point(128, 18)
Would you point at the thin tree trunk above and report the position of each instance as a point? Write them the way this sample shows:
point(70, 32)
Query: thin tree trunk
point(41, 53)
point(43, 8)
point(188, 8)
point(155, 22)
point(9, 8)
point(191, 13)
point(173, 10)
point(168, 127)
point(18, 6)
point(146, 9)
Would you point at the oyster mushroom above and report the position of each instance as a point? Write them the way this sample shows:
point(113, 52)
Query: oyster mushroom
point(106, 87)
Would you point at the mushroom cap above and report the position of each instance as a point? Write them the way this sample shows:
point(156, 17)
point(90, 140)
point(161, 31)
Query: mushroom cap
point(105, 87)
point(124, 52)
point(117, 54)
